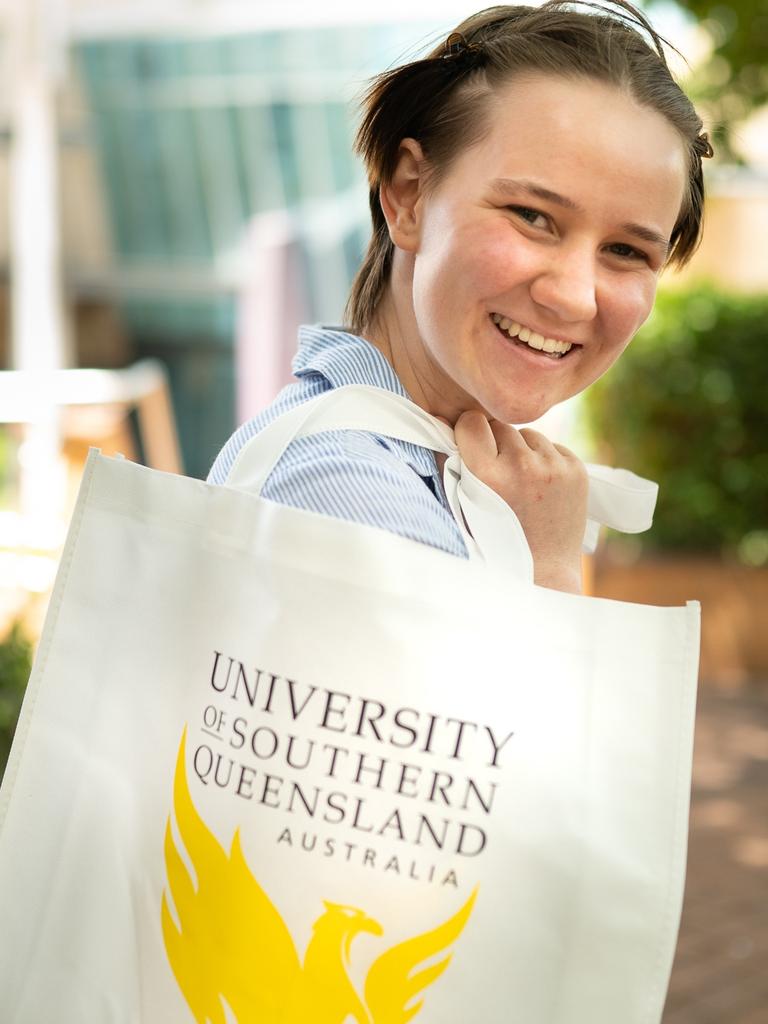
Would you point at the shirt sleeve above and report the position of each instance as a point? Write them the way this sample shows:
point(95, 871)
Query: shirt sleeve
point(350, 475)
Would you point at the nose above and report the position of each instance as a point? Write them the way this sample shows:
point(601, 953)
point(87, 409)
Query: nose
point(566, 285)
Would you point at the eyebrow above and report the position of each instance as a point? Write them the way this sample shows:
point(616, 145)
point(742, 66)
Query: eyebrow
point(531, 188)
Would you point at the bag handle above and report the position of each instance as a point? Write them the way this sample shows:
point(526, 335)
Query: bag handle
point(616, 497)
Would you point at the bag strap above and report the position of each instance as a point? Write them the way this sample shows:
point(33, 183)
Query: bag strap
point(491, 530)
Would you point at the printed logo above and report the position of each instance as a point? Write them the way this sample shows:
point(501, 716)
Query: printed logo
point(228, 943)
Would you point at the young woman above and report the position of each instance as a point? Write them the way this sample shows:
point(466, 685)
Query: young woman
point(529, 181)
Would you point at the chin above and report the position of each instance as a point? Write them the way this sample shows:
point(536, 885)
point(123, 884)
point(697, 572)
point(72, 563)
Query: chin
point(512, 404)
point(518, 413)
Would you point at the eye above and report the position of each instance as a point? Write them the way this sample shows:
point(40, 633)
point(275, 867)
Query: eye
point(526, 214)
point(629, 252)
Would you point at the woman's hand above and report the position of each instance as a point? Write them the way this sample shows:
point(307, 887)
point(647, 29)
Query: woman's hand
point(545, 484)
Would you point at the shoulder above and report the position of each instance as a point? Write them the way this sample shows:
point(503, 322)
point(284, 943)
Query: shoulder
point(291, 396)
point(327, 358)
point(356, 476)
point(350, 474)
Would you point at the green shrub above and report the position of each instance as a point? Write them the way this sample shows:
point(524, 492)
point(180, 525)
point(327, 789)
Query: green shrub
point(687, 406)
point(8, 449)
point(15, 666)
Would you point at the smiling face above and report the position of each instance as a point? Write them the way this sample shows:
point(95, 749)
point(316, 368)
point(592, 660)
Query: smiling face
point(556, 222)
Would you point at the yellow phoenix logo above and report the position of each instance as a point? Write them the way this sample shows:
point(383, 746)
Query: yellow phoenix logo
point(231, 944)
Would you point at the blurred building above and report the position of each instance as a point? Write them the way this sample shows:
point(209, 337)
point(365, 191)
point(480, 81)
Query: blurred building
point(183, 129)
point(208, 195)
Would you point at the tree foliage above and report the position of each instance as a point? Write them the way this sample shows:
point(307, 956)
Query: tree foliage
point(15, 666)
point(734, 81)
point(686, 406)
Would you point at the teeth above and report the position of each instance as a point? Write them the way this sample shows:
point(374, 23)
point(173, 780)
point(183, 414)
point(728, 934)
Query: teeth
point(531, 338)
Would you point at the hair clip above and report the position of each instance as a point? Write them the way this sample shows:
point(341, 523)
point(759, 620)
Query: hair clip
point(457, 46)
point(705, 145)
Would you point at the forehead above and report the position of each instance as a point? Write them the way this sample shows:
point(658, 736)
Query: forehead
point(584, 139)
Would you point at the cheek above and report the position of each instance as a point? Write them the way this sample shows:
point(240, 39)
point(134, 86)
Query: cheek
point(502, 258)
point(471, 259)
point(445, 276)
point(631, 303)
point(627, 310)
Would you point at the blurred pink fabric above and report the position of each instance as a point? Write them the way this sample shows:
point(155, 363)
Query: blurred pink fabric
point(272, 304)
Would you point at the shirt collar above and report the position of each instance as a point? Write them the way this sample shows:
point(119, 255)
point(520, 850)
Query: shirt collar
point(343, 358)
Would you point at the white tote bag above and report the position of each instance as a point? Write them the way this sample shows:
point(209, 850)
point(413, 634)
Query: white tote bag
point(277, 768)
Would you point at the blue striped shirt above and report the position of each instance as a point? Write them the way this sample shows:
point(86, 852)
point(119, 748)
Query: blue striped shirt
point(350, 474)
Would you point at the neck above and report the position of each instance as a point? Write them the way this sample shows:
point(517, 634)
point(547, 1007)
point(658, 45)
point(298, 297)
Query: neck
point(395, 333)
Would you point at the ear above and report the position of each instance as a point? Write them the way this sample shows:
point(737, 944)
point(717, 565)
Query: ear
point(400, 196)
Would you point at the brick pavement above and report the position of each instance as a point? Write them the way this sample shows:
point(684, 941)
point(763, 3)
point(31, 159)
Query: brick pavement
point(720, 975)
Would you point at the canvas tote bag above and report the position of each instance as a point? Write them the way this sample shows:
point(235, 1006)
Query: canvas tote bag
point(273, 767)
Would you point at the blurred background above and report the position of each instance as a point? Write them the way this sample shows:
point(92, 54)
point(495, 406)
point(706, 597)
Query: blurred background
point(178, 193)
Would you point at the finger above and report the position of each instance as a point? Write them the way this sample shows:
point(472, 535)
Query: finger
point(565, 451)
point(475, 440)
point(508, 438)
point(537, 442)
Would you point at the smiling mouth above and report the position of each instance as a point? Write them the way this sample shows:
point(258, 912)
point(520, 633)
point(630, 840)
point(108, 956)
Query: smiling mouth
point(521, 335)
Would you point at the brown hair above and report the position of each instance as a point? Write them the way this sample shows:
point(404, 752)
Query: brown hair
point(440, 102)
